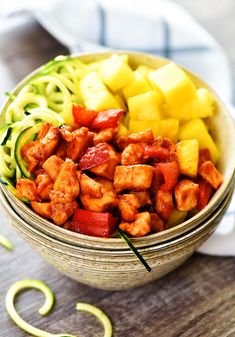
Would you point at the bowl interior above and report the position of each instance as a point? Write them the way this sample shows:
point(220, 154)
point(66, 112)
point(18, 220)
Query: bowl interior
point(221, 127)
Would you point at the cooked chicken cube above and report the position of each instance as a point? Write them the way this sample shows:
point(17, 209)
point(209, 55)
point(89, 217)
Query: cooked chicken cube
point(27, 189)
point(121, 142)
point(133, 177)
point(210, 173)
point(106, 170)
point(44, 129)
point(140, 227)
point(90, 187)
point(66, 186)
point(44, 185)
point(79, 144)
point(36, 152)
point(166, 143)
point(52, 166)
point(141, 137)
point(164, 204)
point(61, 150)
point(105, 183)
point(186, 195)
point(128, 206)
point(157, 224)
point(66, 132)
point(204, 155)
point(133, 154)
point(62, 212)
point(42, 208)
point(103, 136)
point(108, 201)
point(144, 198)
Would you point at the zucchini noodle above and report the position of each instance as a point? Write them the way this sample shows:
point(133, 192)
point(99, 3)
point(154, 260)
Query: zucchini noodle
point(5, 243)
point(44, 310)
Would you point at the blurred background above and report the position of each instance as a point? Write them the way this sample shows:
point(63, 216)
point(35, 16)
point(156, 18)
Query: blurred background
point(33, 32)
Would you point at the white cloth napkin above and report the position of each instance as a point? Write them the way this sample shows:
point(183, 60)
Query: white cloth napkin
point(155, 26)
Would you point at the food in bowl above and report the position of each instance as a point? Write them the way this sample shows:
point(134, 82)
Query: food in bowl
point(99, 146)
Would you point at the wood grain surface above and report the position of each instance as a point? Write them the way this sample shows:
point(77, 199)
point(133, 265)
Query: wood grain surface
point(196, 300)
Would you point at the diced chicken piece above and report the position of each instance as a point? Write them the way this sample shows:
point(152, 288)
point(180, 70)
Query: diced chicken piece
point(44, 129)
point(144, 198)
point(128, 206)
point(90, 187)
point(204, 155)
point(210, 173)
point(61, 150)
point(164, 204)
point(106, 170)
point(27, 189)
point(186, 195)
point(141, 137)
point(104, 136)
point(66, 185)
point(66, 132)
point(42, 208)
point(108, 201)
point(121, 142)
point(166, 143)
point(105, 183)
point(157, 224)
point(133, 177)
point(82, 138)
point(62, 212)
point(133, 154)
point(52, 166)
point(140, 227)
point(37, 152)
point(44, 185)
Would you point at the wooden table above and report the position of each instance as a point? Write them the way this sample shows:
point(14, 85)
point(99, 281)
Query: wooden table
point(196, 300)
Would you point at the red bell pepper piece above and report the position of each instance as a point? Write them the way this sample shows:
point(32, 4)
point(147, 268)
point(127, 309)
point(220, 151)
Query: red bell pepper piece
point(93, 223)
point(94, 156)
point(107, 119)
point(83, 116)
point(170, 172)
point(156, 151)
point(205, 193)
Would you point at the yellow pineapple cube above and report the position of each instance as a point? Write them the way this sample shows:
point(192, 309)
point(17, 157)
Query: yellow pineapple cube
point(146, 106)
point(116, 73)
point(200, 107)
point(95, 94)
point(122, 130)
point(174, 84)
point(196, 129)
point(187, 152)
point(139, 126)
point(144, 70)
point(176, 217)
point(169, 128)
point(138, 86)
point(120, 100)
point(95, 66)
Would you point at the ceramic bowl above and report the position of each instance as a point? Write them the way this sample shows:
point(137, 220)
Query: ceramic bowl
point(108, 263)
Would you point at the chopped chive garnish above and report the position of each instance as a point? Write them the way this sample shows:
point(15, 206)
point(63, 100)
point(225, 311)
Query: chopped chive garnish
point(134, 250)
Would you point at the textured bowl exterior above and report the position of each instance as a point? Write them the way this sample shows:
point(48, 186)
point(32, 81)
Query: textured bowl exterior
point(110, 269)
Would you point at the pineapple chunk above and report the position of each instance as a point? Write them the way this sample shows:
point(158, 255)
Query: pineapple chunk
point(122, 130)
point(145, 106)
point(201, 107)
point(139, 126)
point(95, 94)
point(95, 66)
point(119, 98)
point(138, 86)
point(144, 70)
point(196, 129)
point(176, 217)
point(187, 152)
point(169, 128)
point(116, 73)
point(174, 84)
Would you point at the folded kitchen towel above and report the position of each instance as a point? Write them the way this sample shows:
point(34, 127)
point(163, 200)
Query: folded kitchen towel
point(160, 27)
